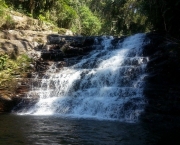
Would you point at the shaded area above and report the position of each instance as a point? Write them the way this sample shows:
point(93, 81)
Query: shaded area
point(8, 105)
point(59, 47)
point(163, 82)
point(56, 130)
point(162, 89)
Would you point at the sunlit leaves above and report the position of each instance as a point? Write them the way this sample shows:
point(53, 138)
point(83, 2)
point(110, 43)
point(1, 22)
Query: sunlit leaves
point(90, 23)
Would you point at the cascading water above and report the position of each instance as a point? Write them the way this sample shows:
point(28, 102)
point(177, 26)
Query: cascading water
point(105, 84)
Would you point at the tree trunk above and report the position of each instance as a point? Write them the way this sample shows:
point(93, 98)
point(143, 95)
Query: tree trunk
point(31, 6)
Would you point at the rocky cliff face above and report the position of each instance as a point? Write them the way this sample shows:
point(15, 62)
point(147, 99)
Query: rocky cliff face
point(162, 88)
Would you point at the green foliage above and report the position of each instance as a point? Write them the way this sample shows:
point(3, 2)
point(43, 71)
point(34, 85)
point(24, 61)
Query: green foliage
point(9, 68)
point(92, 17)
point(3, 4)
point(90, 24)
point(61, 31)
point(3, 60)
point(2, 9)
point(66, 16)
point(63, 13)
point(6, 21)
point(41, 17)
point(20, 64)
point(120, 17)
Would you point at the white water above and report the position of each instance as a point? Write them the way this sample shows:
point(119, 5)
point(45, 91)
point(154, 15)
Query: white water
point(106, 84)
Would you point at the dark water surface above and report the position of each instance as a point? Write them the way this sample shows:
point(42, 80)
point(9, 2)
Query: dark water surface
point(17, 130)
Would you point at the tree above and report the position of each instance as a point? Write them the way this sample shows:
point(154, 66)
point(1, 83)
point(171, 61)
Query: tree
point(90, 23)
point(120, 16)
point(163, 15)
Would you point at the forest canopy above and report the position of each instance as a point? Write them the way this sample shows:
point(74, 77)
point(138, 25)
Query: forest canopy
point(98, 17)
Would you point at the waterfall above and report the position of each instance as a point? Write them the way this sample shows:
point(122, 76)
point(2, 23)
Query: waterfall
point(105, 84)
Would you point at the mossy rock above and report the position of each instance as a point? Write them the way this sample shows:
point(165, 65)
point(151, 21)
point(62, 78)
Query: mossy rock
point(62, 31)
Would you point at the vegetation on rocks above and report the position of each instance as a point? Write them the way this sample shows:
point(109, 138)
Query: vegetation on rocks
point(12, 71)
point(92, 17)
point(34, 20)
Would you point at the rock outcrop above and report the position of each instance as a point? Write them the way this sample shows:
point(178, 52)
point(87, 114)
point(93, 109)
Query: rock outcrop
point(21, 41)
point(45, 48)
point(162, 88)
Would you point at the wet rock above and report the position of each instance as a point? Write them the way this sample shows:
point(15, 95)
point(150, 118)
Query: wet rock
point(55, 55)
point(25, 103)
point(118, 40)
point(89, 41)
point(8, 105)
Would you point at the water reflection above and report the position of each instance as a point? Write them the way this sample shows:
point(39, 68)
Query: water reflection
point(55, 130)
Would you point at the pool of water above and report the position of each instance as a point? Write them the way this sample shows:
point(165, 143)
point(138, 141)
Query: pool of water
point(17, 130)
point(53, 130)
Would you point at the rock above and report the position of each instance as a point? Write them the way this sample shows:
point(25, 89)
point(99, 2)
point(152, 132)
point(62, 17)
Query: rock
point(52, 55)
point(8, 105)
point(89, 41)
point(21, 41)
point(163, 82)
point(9, 99)
point(15, 46)
point(24, 22)
point(69, 32)
point(54, 39)
point(118, 40)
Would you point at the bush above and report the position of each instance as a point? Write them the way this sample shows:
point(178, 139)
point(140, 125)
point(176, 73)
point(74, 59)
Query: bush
point(3, 60)
point(90, 24)
point(64, 15)
point(10, 68)
point(2, 8)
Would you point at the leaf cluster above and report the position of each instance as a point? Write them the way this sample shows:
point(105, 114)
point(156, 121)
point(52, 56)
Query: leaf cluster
point(92, 17)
